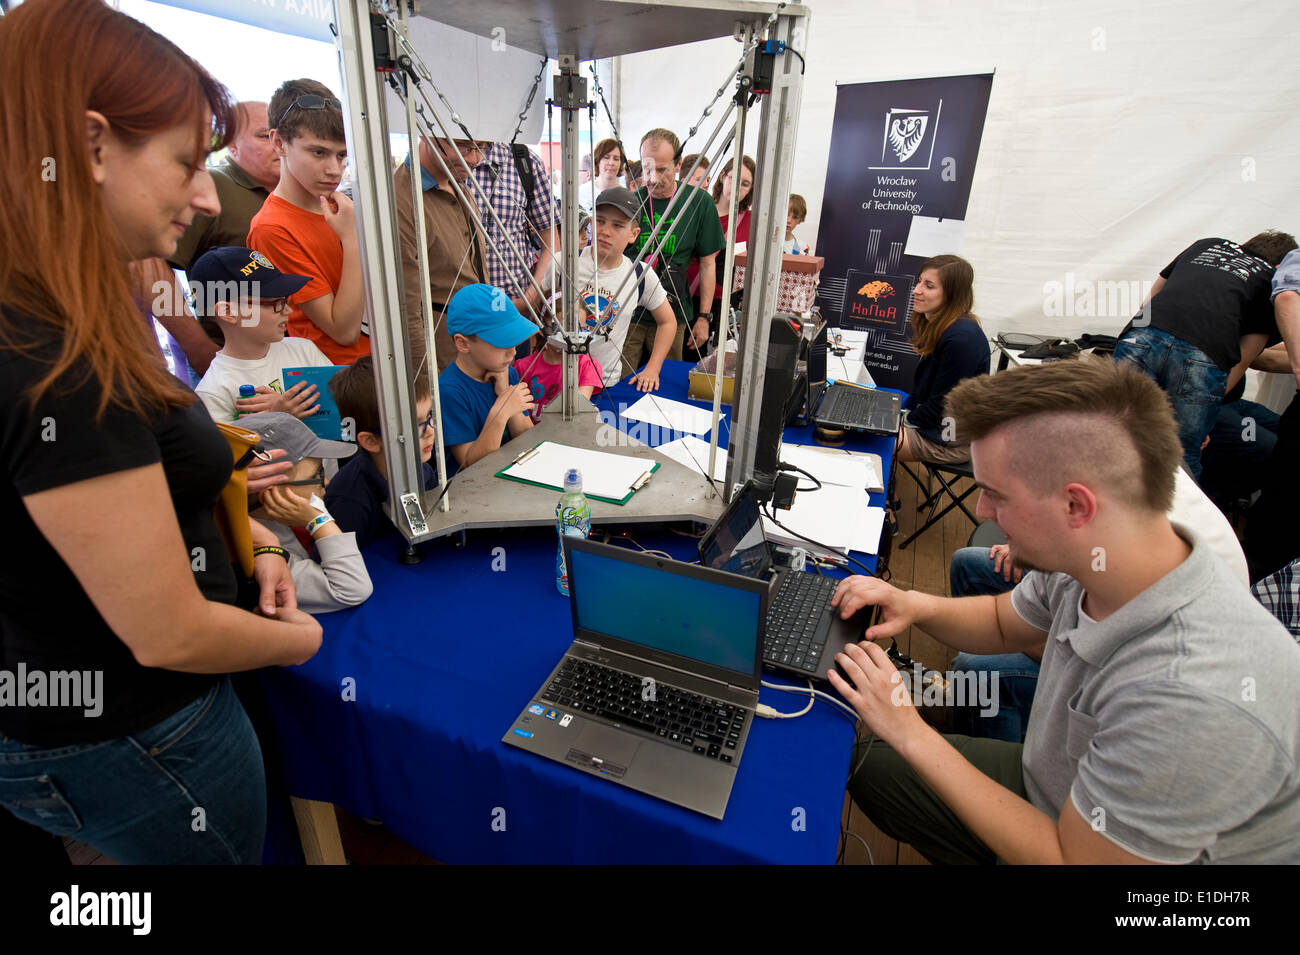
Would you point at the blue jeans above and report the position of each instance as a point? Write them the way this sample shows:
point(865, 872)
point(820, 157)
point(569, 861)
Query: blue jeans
point(189, 789)
point(1193, 382)
point(971, 574)
point(1241, 444)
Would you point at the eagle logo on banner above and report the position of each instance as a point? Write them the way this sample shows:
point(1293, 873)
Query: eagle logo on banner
point(906, 134)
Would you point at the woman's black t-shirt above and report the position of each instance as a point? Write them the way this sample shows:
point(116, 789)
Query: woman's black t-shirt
point(65, 676)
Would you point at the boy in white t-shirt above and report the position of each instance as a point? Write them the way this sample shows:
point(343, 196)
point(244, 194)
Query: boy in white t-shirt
point(602, 270)
point(247, 297)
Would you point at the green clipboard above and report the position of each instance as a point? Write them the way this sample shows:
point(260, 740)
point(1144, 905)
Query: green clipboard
point(645, 467)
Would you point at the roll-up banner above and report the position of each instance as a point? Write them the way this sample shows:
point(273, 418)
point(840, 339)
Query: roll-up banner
point(897, 184)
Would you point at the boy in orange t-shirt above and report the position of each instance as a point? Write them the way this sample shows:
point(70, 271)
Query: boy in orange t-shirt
point(305, 227)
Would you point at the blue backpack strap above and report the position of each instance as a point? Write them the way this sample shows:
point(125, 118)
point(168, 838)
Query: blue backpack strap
point(639, 269)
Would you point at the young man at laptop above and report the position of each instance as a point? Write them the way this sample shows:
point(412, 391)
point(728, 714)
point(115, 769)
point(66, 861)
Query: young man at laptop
point(1165, 727)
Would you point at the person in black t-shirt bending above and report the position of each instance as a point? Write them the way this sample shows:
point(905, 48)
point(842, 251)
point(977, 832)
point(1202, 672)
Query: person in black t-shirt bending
point(1207, 317)
point(117, 724)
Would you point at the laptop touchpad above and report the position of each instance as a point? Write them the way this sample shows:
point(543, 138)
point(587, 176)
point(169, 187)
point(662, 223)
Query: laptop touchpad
point(603, 749)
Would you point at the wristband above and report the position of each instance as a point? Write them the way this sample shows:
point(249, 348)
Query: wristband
point(271, 549)
point(319, 521)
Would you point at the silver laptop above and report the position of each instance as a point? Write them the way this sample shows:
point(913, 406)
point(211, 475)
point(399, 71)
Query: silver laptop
point(657, 691)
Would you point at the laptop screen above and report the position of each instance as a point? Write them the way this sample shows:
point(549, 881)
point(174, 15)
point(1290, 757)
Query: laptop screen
point(735, 543)
point(667, 606)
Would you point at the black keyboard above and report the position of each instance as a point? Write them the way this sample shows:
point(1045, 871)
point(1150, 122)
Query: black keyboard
point(793, 619)
point(699, 723)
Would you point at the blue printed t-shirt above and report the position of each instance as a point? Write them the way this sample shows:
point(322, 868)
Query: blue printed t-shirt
point(465, 406)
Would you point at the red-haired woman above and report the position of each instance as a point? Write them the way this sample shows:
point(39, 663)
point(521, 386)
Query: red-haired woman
point(116, 624)
point(952, 346)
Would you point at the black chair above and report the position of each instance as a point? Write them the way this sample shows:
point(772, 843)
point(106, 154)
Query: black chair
point(986, 535)
point(946, 475)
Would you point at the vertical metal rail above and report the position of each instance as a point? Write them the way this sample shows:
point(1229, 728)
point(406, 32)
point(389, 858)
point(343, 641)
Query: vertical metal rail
point(366, 128)
point(774, 157)
point(570, 91)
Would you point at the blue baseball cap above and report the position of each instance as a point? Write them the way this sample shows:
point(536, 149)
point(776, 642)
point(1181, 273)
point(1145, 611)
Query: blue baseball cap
point(486, 311)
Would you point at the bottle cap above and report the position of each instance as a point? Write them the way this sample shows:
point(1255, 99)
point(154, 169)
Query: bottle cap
point(572, 480)
point(247, 391)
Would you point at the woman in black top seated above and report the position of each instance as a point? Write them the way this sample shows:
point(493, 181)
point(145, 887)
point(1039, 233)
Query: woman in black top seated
point(952, 347)
point(117, 723)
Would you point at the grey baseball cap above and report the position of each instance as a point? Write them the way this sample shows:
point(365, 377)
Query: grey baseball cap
point(621, 199)
point(279, 429)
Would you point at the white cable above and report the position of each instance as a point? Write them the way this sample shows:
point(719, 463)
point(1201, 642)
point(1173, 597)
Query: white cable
point(870, 858)
point(785, 688)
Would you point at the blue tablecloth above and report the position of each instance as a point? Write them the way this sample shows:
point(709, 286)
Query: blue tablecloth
point(400, 716)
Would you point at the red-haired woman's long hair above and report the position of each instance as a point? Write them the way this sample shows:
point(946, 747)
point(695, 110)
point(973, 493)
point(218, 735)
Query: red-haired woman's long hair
point(62, 259)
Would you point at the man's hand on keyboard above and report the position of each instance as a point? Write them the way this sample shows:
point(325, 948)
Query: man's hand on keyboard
point(854, 593)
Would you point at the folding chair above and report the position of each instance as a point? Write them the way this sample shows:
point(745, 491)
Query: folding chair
point(945, 475)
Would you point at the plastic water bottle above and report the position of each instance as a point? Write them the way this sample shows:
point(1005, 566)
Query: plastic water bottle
point(245, 391)
point(572, 519)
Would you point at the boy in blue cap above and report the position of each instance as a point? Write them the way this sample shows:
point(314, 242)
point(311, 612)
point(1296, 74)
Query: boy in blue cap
point(482, 397)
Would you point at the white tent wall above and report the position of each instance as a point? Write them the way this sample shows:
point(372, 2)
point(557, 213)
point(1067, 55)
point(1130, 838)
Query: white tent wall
point(1117, 133)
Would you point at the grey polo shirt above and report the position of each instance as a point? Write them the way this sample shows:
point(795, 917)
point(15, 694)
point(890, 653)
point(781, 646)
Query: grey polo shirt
point(1174, 723)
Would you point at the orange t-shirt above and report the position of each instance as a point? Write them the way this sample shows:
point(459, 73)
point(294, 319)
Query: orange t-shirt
point(299, 242)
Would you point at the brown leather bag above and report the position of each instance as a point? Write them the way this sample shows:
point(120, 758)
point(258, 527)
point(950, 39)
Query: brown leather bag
point(232, 506)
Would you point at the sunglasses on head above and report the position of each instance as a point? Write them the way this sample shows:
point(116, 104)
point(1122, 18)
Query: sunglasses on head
point(312, 101)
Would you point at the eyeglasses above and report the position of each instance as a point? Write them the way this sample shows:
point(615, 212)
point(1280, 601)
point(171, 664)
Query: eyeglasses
point(277, 305)
point(424, 426)
point(311, 101)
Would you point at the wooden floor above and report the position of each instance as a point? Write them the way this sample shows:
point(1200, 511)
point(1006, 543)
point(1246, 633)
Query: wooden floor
point(922, 566)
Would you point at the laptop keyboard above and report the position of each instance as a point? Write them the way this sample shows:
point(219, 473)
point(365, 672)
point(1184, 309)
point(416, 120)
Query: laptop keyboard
point(698, 723)
point(869, 409)
point(792, 617)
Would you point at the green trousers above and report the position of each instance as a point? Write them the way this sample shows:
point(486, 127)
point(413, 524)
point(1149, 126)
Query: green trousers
point(903, 807)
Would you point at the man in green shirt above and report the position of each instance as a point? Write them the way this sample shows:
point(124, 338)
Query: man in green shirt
point(693, 232)
point(244, 179)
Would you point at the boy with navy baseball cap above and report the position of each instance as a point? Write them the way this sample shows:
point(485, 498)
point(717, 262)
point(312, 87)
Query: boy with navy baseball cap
point(482, 397)
point(247, 298)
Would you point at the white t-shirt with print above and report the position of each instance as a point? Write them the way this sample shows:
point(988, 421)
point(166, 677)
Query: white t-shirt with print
point(220, 385)
point(599, 310)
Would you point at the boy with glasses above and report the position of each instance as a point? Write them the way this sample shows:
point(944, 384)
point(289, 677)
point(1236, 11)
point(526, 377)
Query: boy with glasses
point(307, 226)
point(358, 492)
point(246, 298)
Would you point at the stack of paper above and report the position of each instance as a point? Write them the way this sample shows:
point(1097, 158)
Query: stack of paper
point(838, 518)
point(845, 468)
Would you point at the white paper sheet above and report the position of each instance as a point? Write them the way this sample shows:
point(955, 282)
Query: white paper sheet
point(845, 468)
point(674, 415)
point(831, 516)
point(867, 538)
point(693, 453)
point(929, 236)
point(604, 474)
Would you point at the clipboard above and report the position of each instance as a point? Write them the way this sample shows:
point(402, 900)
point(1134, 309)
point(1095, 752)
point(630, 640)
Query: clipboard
point(612, 478)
